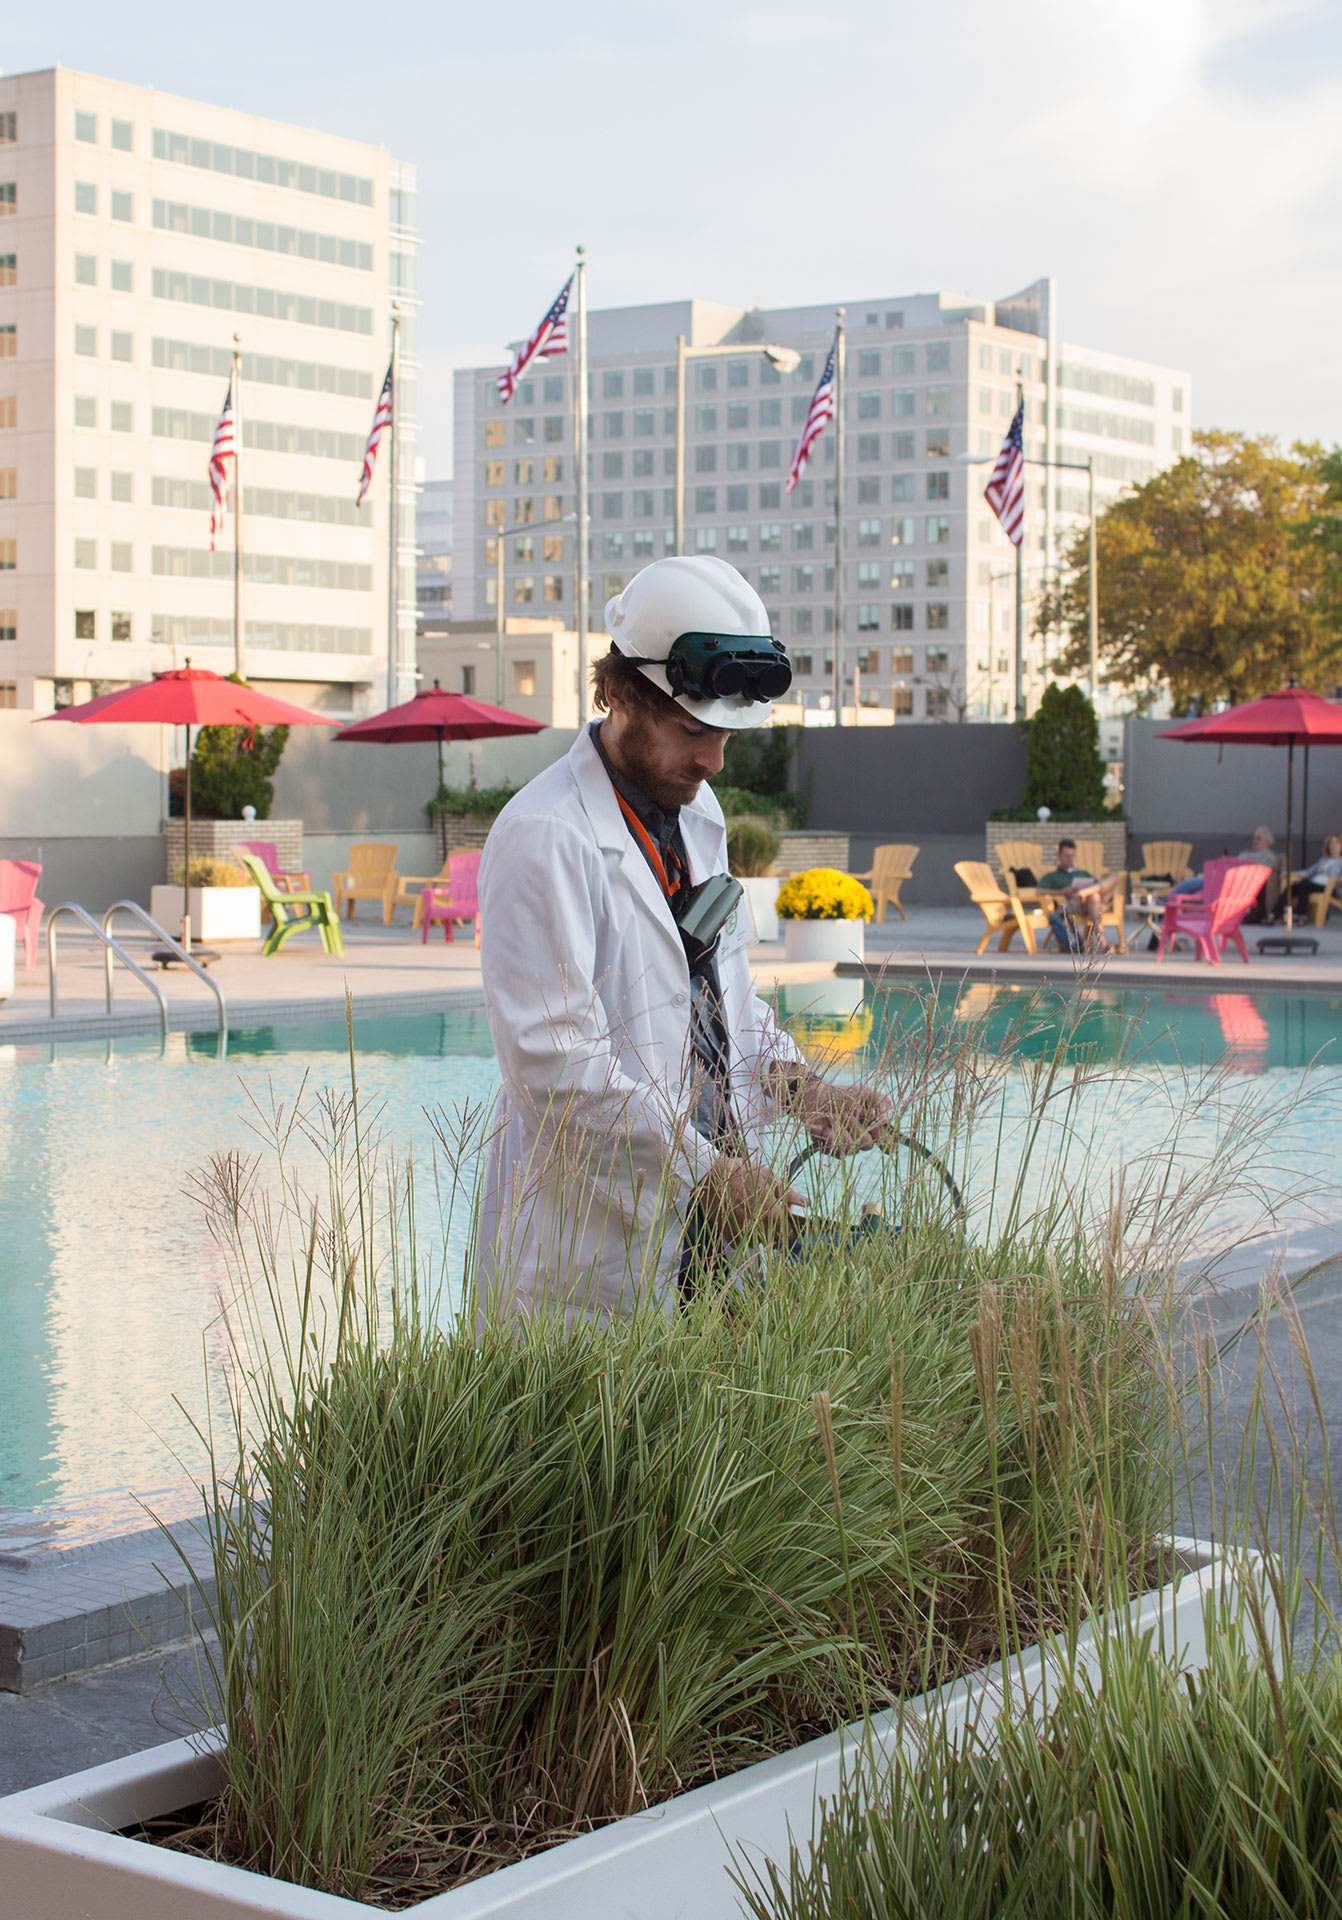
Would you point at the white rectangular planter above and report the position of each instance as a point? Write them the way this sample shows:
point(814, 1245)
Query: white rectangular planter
point(61, 1856)
point(217, 913)
point(9, 930)
point(824, 941)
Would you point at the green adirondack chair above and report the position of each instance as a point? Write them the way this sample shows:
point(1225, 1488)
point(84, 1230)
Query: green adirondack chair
point(293, 912)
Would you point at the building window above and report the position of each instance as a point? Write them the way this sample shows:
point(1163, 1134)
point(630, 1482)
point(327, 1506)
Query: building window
point(938, 572)
point(86, 269)
point(869, 406)
point(938, 529)
point(868, 573)
point(771, 454)
point(495, 473)
point(85, 624)
point(493, 433)
point(86, 128)
point(613, 546)
point(938, 356)
point(86, 342)
point(771, 579)
point(121, 206)
point(935, 701)
point(938, 399)
point(705, 459)
point(868, 659)
point(121, 346)
point(552, 546)
point(645, 380)
point(938, 486)
point(938, 614)
point(553, 588)
point(9, 630)
point(9, 554)
point(122, 557)
point(738, 457)
point(901, 621)
point(705, 539)
point(645, 421)
point(803, 664)
point(524, 677)
point(738, 539)
point(123, 136)
point(802, 619)
point(869, 362)
point(903, 401)
point(495, 511)
point(705, 499)
point(869, 533)
point(552, 470)
point(553, 508)
point(706, 419)
point(706, 376)
point(86, 483)
point(901, 486)
point(901, 702)
point(771, 413)
point(1177, 399)
point(738, 499)
point(123, 277)
point(86, 553)
point(803, 535)
point(770, 495)
point(612, 386)
point(612, 466)
point(644, 463)
point(122, 417)
point(939, 445)
point(803, 579)
point(522, 549)
point(643, 505)
point(901, 575)
point(612, 426)
point(738, 373)
point(524, 589)
point(738, 416)
point(9, 127)
point(869, 446)
point(552, 428)
point(771, 537)
point(937, 660)
point(524, 433)
point(86, 410)
point(868, 617)
point(524, 512)
point(901, 533)
point(612, 506)
point(868, 490)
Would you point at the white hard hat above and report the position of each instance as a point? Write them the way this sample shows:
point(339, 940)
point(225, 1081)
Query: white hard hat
point(703, 601)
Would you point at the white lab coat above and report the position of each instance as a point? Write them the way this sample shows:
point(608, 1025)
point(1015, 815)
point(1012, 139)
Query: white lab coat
point(593, 1151)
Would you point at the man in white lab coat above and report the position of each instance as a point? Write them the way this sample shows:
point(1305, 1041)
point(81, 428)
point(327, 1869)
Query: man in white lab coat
point(639, 1064)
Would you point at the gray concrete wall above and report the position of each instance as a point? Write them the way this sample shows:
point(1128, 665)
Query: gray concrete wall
point(910, 782)
point(1216, 796)
point(934, 881)
point(349, 787)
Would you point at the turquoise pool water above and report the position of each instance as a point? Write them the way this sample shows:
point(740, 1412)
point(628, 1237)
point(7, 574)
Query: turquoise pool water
point(111, 1285)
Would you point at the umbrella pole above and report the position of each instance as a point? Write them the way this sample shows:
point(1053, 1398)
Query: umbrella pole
point(1304, 811)
point(1290, 789)
point(186, 848)
point(442, 817)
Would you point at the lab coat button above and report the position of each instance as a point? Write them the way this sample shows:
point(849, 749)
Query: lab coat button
point(679, 999)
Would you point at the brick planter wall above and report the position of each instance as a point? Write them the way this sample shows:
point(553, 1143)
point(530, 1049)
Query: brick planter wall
point(1112, 834)
point(463, 830)
point(211, 839)
point(801, 851)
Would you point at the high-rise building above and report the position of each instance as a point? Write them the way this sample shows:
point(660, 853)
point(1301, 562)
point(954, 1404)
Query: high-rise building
point(140, 236)
point(433, 577)
point(931, 379)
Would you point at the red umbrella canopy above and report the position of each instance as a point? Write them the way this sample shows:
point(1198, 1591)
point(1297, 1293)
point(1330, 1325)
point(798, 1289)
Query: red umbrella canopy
point(192, 697)
point(1292, 716)
point(436, 715)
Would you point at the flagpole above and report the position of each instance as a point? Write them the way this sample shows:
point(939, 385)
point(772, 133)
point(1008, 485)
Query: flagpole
point(239, 652)
point(1020, 573)
point(580, 459)
point(393, 529)
point(838, 516)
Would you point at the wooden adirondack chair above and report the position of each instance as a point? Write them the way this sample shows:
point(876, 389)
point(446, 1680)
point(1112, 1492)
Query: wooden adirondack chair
point(1006, 913)
point(372, 875)
point(1090, 857)
point(891, 866)
point(1019, 853)
point(1171, 858)
point(293, 912)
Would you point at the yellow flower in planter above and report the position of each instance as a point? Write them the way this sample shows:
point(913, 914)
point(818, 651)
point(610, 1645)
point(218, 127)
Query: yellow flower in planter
point(823, 893)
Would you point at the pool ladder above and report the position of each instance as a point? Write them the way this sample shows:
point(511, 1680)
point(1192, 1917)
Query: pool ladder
point(112, 949)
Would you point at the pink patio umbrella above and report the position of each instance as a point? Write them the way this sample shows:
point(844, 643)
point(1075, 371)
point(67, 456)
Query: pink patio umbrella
point(435, 715)
point(190, 697)
point(1289, 717)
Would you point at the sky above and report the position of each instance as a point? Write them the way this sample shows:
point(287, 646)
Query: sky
point(1176, 166)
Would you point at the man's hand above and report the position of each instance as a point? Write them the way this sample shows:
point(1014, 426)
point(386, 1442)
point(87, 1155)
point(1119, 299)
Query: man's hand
point(746, 1202)
point(840, 1119)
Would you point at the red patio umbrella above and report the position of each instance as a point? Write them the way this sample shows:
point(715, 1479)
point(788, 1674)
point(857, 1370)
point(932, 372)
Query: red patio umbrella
point(190, 697)
point(1290, 717)
point(436, 715)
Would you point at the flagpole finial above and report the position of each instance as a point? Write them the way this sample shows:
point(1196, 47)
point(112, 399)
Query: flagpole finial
point(582, 253)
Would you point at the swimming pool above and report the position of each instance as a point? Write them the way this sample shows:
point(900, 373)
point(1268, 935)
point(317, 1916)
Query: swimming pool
point(110, 1284)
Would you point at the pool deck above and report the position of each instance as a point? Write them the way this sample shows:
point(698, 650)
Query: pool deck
point(388, 968)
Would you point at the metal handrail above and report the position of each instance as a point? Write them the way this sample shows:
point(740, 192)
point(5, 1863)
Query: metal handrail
point(179, 952)
point(87, 920)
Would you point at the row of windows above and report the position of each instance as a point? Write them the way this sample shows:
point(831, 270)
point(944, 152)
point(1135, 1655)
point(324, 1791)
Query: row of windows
point(735, 418)
point(9, 269)
point(119, 345)
point(120, 202)
point(868, 660)
point(174, 216)
point(266, 636)
point(9, 127)
point(266, 569)
point(121, 277)
point(271, 304)
point(1114, 386)
point(1106, 426)
point(9, 341)
point(264, 369)
point(120, 414)
point(247, 164)
point(120, 555)
point(262, 503)
point(123, 132)
point(268, 436)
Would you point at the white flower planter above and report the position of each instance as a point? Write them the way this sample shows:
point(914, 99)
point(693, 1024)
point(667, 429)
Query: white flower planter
point(825, 941)
point(762, 893)
point(61, 1856)
point(9, 928)
point(217, 913)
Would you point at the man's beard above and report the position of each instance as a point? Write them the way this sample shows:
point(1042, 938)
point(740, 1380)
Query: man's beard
point(669, 791)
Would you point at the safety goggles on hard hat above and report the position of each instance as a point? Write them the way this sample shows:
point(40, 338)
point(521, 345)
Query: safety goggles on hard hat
point(720, 666)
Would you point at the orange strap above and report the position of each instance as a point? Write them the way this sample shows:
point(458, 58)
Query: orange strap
point(650, 848)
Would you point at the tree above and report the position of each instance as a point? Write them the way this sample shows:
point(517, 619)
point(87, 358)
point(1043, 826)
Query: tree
point(231, 768)
point(1063, 768)
point(1214, 577)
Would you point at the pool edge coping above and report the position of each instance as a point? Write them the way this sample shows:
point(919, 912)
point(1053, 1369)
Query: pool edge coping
point(193, 1017)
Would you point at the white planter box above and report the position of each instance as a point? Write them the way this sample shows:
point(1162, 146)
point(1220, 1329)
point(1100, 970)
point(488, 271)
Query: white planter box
point(61, 1856)
point(9, 928)
point(217, 913)
point(824, 940)
point(762, 893)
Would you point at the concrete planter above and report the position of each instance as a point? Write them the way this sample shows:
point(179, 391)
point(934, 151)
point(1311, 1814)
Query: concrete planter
point(217, 913)
point(61, 1856)
point(824, 941)
point(1112, 835)
point(762, 893)
point(801, 850)
point(9, 928)
point(212, 839)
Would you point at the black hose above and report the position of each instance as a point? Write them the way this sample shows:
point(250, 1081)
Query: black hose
point(886, 1143)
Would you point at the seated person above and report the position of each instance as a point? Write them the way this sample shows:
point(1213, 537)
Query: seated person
point(1259, 851)
point(1312, 879)
point(1084, 897)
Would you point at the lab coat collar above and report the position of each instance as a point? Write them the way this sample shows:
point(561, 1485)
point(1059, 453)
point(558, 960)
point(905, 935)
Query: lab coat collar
point(699, 830)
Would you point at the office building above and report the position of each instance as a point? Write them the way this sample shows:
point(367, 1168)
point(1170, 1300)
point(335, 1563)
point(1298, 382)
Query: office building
point(139, 235)
point(433, 567)
point(928, 585)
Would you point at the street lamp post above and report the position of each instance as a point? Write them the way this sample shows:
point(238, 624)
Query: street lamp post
point(784, 358)
point(1086, 466)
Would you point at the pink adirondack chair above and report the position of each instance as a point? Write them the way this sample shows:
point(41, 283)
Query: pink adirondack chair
point(18, 898)
point(458, 900)
point(268, 854)
point(1229, 889)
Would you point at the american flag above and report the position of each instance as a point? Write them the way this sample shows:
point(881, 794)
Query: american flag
point(381, 422)
point(550, 337)
point(820, 413)
point(221, 452)
point(1005, 492)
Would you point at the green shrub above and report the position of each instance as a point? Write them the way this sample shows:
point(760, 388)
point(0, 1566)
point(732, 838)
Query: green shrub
point(231, 768)
point(480, 802)
point(737, 804)
point(752, 848)
point(207, 871)
point(756, 765)
point(1063, 768)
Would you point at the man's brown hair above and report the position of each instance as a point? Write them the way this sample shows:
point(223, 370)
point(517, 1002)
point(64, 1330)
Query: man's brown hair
point(1067, 843)
point(614, 673)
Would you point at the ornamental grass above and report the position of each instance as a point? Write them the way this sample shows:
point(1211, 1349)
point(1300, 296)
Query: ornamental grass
point(481, 1588)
